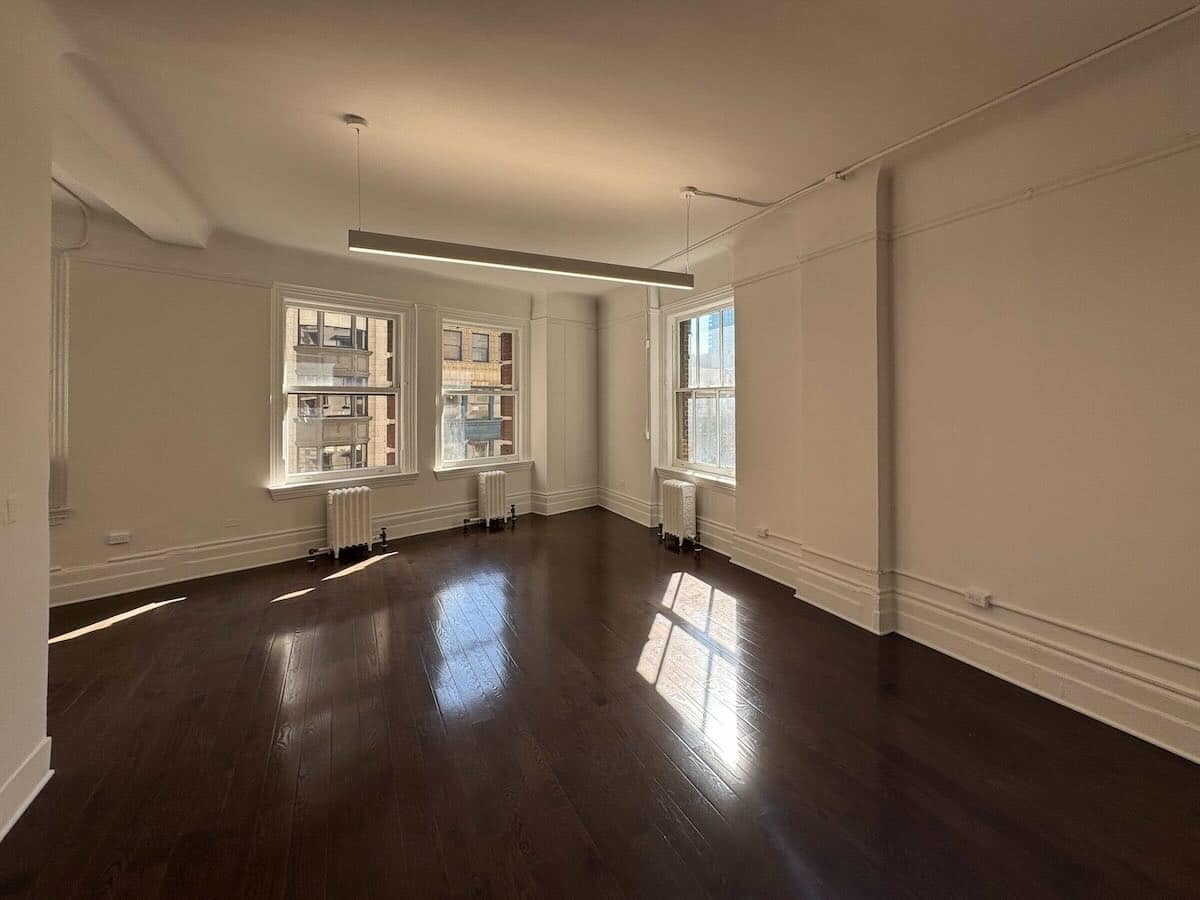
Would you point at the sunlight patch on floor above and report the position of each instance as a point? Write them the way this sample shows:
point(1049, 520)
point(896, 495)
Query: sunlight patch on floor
point(699, 681)
point(359, 566)
point(294, 594)
point(111, 620)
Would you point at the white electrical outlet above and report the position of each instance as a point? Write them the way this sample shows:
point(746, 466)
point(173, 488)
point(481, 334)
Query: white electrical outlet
point(119, 537)
point(763, 531)
point(979, 597)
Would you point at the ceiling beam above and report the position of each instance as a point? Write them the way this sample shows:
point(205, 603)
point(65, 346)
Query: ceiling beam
point(98, 149)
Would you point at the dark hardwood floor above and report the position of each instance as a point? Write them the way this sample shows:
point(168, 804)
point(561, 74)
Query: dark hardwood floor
point(565, 710)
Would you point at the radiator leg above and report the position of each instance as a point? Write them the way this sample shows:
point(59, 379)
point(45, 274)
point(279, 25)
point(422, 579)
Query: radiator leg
point(383, 537)
point(512, 515)
point(465, 523)
point(660, 531)
point(312, 555)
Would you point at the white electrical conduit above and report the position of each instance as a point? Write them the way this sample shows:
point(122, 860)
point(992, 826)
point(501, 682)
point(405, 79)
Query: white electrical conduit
point(840, 174)
point(83, 209)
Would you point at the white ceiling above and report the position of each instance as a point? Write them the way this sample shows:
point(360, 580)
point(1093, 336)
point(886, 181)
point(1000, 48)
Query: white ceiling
point(562, 127)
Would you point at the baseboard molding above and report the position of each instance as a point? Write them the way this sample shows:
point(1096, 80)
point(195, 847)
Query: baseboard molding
point(716, 535)
point(551, 503)
point(23, 785)
point(156, 568)
point(632, 508)
point(1141, 693)
point(1148, 694)
point(767, 559)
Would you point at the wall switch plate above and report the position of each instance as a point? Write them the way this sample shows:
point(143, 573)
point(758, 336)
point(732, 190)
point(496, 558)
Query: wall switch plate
point(979, 597)
point(119, 537)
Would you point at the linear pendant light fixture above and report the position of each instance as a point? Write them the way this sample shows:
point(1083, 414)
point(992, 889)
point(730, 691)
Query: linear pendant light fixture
point(360, 241)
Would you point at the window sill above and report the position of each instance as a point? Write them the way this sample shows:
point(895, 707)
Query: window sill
point(468, 471)
point(313, 488)
point(720, 483)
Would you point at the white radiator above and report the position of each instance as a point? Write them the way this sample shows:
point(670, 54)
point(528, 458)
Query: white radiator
point(679, 510)
point(493, 497)
point(348, 518)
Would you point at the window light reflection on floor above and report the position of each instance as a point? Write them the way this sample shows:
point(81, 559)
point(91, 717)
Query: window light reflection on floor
point(111, 620)
point(698, 679)
point(359, 566)
point(294, 594)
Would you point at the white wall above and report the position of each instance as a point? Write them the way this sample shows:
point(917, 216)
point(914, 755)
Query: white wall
point(1047, 378)
point(26, 58)
point(979, 367)
point(169, 372)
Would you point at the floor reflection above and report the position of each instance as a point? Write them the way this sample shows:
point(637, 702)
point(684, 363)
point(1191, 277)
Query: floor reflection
point(359, 566)
point(294, 594)
point(474, 664)
point(111, 620)
point(690, 657)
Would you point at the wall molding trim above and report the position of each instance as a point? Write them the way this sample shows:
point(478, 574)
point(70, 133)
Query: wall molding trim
point(621, 319)
point(865, 237)
point(170, 565)
point(632, 508)
point(551, 503)
point(1045, 188)
point(166, 270)
point(24, 784)
point(1134, 698)
point(1148, 693)
point(716, 535)
point(773, 562)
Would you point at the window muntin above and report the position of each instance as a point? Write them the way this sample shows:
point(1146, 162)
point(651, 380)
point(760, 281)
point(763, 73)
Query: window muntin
point(329, 431)
point(705, 391)
point(480, 396)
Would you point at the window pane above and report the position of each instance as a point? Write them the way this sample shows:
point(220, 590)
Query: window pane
point(309, 331)
point(475, 425)
point(336, 330)
point(480, 347)
point(708, 356)
point(687, 353)
point(727, 362)
point(697, 435)
point(486, 368)
point(728, 438)
point(354, 349)
point(451, 344)
point(326, 432)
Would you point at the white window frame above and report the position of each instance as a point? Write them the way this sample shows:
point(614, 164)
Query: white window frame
point(671, 316)
point(465, 320)
point(404, 316)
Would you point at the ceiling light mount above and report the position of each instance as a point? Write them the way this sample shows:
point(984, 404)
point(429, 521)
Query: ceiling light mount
point(355, 121)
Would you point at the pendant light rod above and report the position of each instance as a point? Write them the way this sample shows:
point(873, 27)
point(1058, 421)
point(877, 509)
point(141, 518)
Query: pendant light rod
point(358, 123)
point(519, 260)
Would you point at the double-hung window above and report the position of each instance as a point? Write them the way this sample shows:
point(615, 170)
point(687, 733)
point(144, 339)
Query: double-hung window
point(703, 383)
point(480, 394)
point(341, 409)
